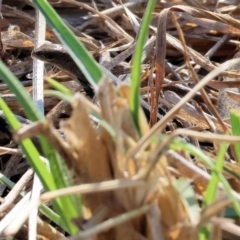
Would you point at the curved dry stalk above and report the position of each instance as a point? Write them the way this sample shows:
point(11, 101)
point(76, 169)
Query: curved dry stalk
point(162, 123)
point(112, 185)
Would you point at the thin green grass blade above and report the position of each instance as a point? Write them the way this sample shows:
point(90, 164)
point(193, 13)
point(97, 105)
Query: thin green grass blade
point(235, 123)
point(178, 145)
point(26, 102)
point(211, 192)
point(32, 154)
point(49, 213)
point(60, 87)
point(213, 184)
point(29, 150)
point(76, 49)
point(136, 70)
point(59, 95)
point(69, 99)
point(45, 177)
point(6, 181)
point(16, 87)
point(72, 203)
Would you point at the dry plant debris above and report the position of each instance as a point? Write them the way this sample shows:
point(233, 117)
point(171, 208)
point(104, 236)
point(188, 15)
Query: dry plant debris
point(139, 187)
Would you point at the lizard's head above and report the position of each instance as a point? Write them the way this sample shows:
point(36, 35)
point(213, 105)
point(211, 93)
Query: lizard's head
point(58, 56)
point(50, 53)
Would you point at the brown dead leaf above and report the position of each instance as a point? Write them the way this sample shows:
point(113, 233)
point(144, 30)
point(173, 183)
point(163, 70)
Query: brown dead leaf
point(16, 39)
point(92, 160)
point(172, 212)
point(124, 91)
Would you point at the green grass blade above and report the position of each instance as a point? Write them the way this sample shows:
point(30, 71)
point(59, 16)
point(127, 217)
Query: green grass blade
point(235, 123)
point(211, 192)
point(29, 150)
point(26, 102)
point(49, 213)
point(178, 145)
point(59, 95)
point(6, 181)
point(16, 87)
point(32, 154)
point(136, 70)
point(76, 49)
point(213, 184)
point(45, 177)
point(66, 97)
point(60, 87)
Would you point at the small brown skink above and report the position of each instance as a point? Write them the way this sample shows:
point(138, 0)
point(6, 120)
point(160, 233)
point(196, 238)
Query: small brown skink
point(58, 56)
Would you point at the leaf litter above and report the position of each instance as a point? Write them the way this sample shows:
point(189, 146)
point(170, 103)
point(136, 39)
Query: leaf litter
point(167, 203)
